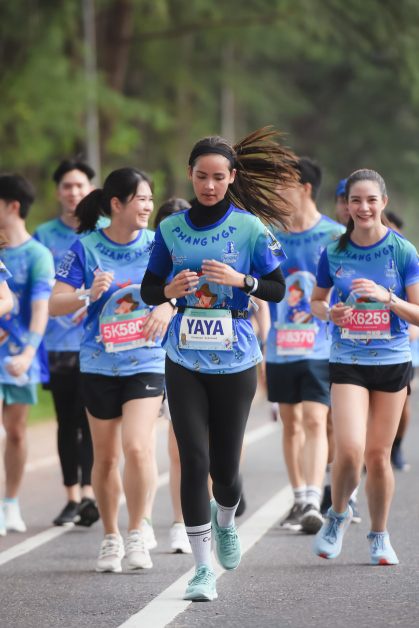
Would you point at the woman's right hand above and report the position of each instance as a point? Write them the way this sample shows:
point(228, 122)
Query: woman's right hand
point(340, 314)
point(182, 284)
point(101, 283)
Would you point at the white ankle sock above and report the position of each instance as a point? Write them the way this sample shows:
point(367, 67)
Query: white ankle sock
point(200, 540)
point(313, 495)
point(225, 515)
point(300, 494)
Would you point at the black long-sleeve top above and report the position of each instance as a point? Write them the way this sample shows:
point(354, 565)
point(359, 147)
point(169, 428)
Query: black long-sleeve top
point(271, 287)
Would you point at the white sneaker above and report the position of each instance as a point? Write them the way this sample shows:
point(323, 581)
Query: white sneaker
point(179, 542)
point(111, 553)
point(137, 551)
point(148, 532)
point(3, 530)
point(12, 517)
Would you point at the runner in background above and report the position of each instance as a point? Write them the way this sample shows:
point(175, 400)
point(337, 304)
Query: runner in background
point(210, 259)
point(341, 206)
point(376, 275)
point(297, 355)
point(21, 331)
point(62, 341)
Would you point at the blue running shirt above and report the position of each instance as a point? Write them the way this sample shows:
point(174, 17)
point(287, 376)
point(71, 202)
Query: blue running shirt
point(63, 333)
point(295, 334)
point(392, 263)
point(238, 239)
point(32, 275)
point(113, 316)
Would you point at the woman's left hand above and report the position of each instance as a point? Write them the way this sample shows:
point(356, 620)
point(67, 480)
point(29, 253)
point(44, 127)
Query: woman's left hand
point(222, 274)
point(371, 290)
point(157, 321)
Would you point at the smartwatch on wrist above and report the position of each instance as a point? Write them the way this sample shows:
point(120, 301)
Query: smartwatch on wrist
point(250, 284)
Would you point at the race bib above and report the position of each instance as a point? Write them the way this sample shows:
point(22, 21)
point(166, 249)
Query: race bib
point(205, 330)
point(295, 339)
point(124, 331)
point(368, 320)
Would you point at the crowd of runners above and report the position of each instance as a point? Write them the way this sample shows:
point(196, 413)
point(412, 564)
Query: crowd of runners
point(248, 282)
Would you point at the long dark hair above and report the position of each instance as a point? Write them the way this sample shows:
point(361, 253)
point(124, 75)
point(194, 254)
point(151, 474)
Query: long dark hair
point(121, 183)
point(361, 175)
point(262, 165)
point(169, 207)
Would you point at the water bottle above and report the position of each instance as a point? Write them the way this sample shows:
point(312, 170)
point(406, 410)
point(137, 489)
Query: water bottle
point(21, 380)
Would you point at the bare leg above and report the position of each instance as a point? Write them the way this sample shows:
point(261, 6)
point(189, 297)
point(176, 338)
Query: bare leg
point(293, 442)
point(15, 420)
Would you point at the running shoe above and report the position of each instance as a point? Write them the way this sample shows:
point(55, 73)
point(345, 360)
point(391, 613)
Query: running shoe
point(241, 507)
point(328, 540)
point(356, 515)
point(88, 512)
point(311, 519)
point(111, 554)
point(179, 542)
point(136, 551)
point(12, 516)
point(69, 514)
point(326, 499)
point(227, 542)
point(3, 530)
point(149, 536)
point(397, 458)
point(292, 520)
point(381, 550)
point(201, 588)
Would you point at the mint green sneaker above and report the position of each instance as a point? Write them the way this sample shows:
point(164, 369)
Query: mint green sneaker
point(201, 588)
point(227, 542)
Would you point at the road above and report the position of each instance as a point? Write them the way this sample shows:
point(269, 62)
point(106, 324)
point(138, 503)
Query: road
point(47, 576)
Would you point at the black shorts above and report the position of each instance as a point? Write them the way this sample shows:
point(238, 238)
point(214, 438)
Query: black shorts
point(293, 382)
point(104, 395)
point(384, 378)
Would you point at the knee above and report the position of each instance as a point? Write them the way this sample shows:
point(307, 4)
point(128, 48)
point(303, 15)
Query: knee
point(194, 466)
point(315, 424)
point(105, 464)
point(137, 455)
point(377, 461)
point(350, 457)
point(16, 435)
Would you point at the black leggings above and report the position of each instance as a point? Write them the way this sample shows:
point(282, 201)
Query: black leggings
point(74, 440)
point(209, 415)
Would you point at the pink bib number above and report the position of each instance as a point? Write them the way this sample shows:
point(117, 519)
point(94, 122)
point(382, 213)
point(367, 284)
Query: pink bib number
point(368, 320)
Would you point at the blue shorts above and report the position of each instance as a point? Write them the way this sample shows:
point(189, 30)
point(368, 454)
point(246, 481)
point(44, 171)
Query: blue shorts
point(10, 393)
point(303, 380)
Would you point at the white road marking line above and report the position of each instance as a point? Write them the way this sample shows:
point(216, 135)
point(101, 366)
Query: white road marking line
point(41, 463)
point(168, 604)
point(37, 540)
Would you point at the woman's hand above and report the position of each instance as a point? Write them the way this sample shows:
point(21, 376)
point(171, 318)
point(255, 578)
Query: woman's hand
point(340, 314)
point(182, 284)
point(371, 290)
point(222, 274)
point(157, 321)
point(19, 364)
point(101, 283)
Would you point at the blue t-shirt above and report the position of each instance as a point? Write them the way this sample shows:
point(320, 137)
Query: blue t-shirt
point(414, 348)
point(32, 274)
point(392, 263)
point(303, 250)
point(238, 239)
point(63, 333)
point(113, 316)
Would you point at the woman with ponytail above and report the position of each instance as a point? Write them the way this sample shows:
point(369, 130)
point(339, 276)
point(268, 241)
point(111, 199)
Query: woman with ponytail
point(121, 359)
point(376, 275)
point(221, 249)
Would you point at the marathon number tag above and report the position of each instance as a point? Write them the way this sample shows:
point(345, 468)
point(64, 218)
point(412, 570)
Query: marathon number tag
point(295, 338)
point(368, 321)
point(124, 331)
point(206, 330)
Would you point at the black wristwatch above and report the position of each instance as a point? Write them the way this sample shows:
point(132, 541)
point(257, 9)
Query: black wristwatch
point(249, 284)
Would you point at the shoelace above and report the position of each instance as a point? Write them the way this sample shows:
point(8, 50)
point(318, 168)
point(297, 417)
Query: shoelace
point(378, 542)
point(202, 576)
point(109, 547)
point(331, 533)
point(228, 538)
point(135, 542)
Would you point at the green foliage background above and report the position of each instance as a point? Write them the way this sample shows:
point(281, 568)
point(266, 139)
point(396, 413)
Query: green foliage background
point(340, 79)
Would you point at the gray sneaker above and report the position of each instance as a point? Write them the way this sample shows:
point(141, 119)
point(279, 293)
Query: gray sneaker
point(292, 520)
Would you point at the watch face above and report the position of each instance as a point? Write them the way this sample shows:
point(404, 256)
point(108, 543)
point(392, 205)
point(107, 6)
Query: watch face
point(249, 281)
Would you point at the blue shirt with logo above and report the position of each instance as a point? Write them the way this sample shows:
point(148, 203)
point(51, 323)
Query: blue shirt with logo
point(303, 250)
point(32, 274)
point(392, 263)
point(238, 239)
point(93, 253)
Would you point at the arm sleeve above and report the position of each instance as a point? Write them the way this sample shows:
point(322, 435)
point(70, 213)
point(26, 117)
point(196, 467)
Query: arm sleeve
point(152, 289)
point(71, 268)
point(42, 274)
point(324, 279)
point(271, 287)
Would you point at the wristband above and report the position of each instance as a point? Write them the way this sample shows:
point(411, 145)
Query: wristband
point(173, 303)
point(34, 339)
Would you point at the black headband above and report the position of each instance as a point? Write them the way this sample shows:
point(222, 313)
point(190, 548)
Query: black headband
point(216, 150)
